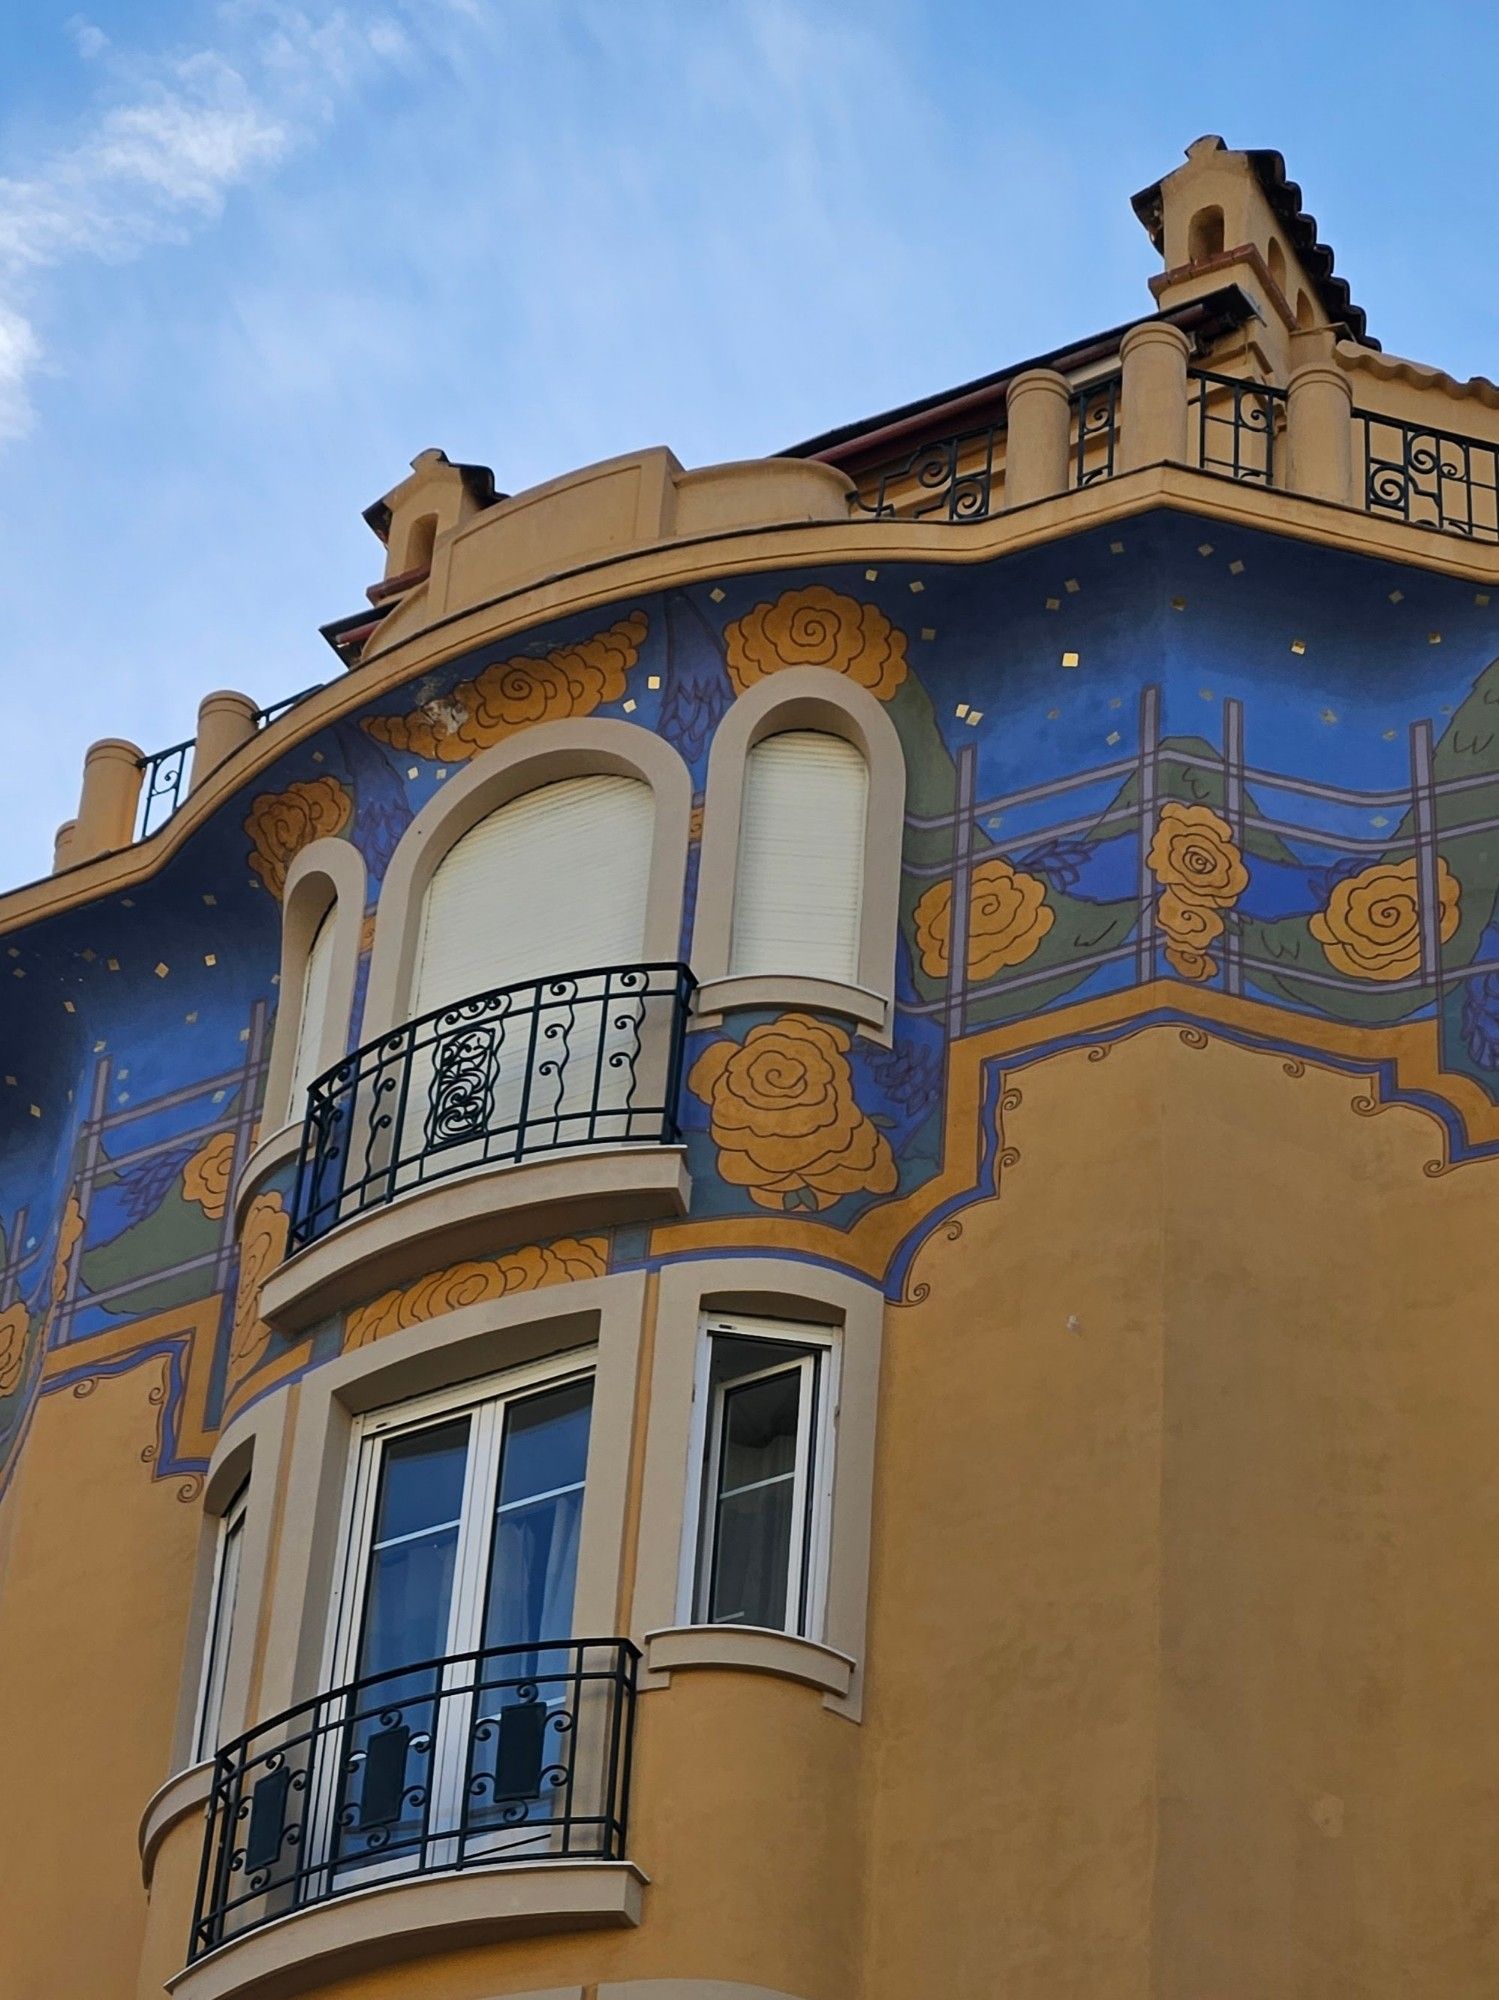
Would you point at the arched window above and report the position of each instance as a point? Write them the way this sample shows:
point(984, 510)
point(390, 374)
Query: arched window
point(799, 883)
point(798, 893)
point(527, 1032)
point(1277, 263)
point(317, 976)
point(1205, 235)
point(322, 910)
point(553, 883)
point(420, 541)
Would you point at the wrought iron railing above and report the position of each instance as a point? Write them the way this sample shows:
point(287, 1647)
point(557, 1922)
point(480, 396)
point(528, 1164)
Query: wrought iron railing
point(165, 773)
point(276, 709)
point(164, 777)
point(1095, 431)
point(948, 479)
point(1235, 425)
point(506, 1755)
point(1429, 478)
point(590, 1059)
point(961, 478)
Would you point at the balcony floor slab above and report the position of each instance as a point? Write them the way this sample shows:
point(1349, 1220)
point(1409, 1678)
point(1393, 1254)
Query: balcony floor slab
point(474, 1215)
point(414, 1918)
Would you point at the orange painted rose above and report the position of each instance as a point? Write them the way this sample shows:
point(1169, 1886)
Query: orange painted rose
point(1190, 929)
point(1196, 860)
point(1190, 926)
point(205, 1178)
point(262, 1246)
point(1370, 928)
point(1008, 915)
point(1194, 853)
point(525, 1270)
point(67, 1242)
point(15, 1326)
point(817, 627)
point(512, 694)
point(783, 1117)
point(1189, 963)
point(280, 824)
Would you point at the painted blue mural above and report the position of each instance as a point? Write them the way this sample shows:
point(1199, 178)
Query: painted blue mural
point(1166, 768)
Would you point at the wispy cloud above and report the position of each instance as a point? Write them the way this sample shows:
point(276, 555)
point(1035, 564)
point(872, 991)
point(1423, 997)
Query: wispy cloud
point(164, 148)
point(89, 39)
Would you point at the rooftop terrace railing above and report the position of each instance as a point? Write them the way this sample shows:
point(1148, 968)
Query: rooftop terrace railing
point(166, 775)
point(960, 478)
point(1234, 425)
point(1428, 478)
point(1236, 428)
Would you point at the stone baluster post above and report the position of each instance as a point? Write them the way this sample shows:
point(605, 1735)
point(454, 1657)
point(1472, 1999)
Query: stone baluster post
point(225, 721)
point(1153, 396)
point(1319, 433)
point(106, 806)
point(62, 846)
point(1037, 435)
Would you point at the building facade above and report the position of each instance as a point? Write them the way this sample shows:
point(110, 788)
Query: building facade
point(757, 1270)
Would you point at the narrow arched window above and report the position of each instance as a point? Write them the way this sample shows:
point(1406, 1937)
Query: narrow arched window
point(799, 883)
point(313, 1013)
point(553, 883)
point(420, 541)
point(1205, 235)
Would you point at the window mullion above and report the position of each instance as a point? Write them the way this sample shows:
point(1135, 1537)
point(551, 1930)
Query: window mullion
point(471, 1564)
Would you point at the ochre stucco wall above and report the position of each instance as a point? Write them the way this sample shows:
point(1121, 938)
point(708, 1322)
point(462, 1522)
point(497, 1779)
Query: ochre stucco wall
point(91, 1637)
point(1179, 1664)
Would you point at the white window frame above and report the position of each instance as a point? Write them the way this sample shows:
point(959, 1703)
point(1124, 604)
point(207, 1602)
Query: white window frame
point(812, 1489)
point(218, 1638)
point(488, 1400)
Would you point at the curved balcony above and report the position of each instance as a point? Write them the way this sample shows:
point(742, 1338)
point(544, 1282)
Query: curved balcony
point(511, 1755)
point(585, 1060)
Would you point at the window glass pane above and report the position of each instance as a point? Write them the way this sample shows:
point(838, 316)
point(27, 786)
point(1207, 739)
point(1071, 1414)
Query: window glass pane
point(534, 1557)
point(754, 1525)
point(546, 1442)
point(759, 1432)
point(410, 1588)
point(751, 1556)
point(406, 1614)
point(220, 1631)
point(759, 1480)
point(421, 1479)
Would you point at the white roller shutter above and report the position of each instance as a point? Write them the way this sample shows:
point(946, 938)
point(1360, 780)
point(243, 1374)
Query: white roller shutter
point(799, 884)
point(555, 882)
point(316, 975)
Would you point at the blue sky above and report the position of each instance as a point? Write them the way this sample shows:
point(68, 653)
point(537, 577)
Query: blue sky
point(254, 257)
